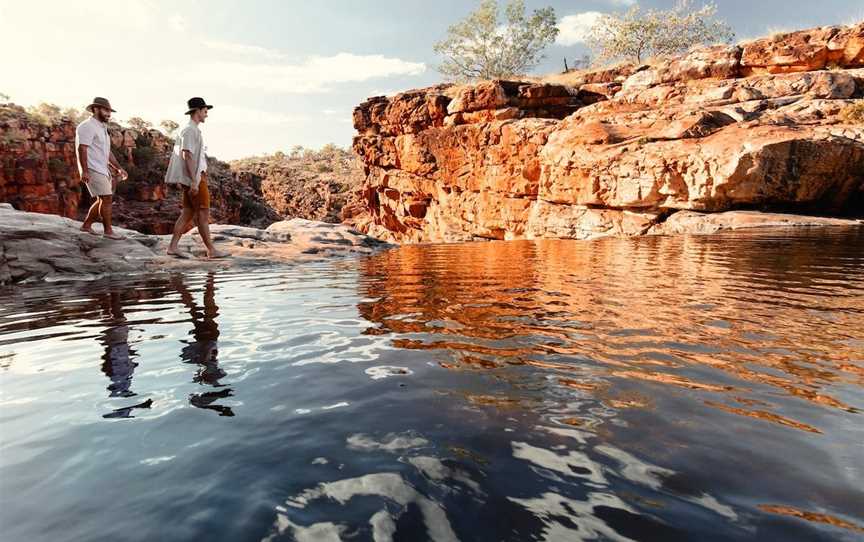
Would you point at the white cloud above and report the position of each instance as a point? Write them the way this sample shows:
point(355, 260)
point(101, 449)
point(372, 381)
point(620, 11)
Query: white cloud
point(243, 49)
point(383, 92)
point(150, 56)
point(177, 22)
point(243, 115)
point(574, 29)
point(315, 75)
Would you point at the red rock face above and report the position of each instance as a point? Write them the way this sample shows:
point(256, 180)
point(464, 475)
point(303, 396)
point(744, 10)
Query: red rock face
point(816, 49)
point(39, 173)
point(720, 128)
point(37, 170)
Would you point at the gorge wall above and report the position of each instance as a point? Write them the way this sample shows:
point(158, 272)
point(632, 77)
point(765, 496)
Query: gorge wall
point(616, 152)
point(38, 173)
point(305, 183)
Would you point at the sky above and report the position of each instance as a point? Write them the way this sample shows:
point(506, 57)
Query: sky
point(282, 73)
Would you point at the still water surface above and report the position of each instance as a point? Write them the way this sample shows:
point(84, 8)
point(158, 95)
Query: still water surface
point(687, 388)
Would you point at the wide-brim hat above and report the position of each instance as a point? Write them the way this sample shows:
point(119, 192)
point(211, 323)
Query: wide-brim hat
point(196, 103)
point(100, 102)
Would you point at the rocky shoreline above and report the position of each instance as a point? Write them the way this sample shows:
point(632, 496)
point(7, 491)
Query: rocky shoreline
point(35, 246)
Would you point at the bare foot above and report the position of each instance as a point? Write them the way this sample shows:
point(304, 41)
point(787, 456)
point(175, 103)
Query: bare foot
point(114, 236)
point(216, 254)
point(88, 229)
point(177, 254)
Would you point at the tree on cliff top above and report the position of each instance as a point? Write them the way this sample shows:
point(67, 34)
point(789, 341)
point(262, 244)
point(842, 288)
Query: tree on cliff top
point(139, 124)
point(481, 47)
point(636, 35)
point(49, 114)
point(169, 126)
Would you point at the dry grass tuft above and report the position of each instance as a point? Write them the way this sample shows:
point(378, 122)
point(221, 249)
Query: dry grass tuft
point(853, 113)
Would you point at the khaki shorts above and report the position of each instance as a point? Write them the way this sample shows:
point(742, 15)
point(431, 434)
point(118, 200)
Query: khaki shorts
point(99, 184)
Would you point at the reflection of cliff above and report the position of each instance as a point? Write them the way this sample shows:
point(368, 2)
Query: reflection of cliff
point(722, 316)
point(757, 126)
point(38, 173)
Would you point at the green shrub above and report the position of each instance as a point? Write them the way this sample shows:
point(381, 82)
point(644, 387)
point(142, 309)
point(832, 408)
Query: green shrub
point(639, 34)
point(139, 124)
point(169, 126)
point(58, 167)
point(486, 46)
point(143, 156)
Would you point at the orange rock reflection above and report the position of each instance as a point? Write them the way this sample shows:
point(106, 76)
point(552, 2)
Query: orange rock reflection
point(733, 318)
point(811, 516)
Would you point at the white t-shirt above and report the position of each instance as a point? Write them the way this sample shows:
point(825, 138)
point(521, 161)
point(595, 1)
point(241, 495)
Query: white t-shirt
point(94, 135)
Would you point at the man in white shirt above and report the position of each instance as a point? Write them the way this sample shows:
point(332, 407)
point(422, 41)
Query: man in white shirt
point(95, 162)
point(188, 168)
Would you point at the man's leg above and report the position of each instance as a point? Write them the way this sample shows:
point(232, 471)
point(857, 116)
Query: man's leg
point(105, 208)
point(180, 227)
point(192, 223)
point(92, 214)
point(204, 230)
point(203, 214)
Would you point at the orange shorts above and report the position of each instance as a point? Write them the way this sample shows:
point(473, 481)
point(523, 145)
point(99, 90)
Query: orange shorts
point(201, 200)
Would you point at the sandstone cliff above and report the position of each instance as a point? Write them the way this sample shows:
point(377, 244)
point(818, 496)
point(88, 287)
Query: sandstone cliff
point(616, 152)
point(38, 173)
point(309, 184)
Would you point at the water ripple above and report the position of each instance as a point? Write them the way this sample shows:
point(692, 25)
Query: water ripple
point(703, 388)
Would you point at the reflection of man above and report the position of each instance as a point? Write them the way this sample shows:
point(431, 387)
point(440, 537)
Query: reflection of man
point(203, 350)
point(117, 361)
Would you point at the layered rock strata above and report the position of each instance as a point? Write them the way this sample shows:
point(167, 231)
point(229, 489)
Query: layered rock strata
point(616, 152)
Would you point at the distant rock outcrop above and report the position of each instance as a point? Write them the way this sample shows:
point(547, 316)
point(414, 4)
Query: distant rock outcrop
point(39, 173)
point(617, 152)
point(309, 184)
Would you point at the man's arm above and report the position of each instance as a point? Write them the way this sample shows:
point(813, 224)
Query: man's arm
point(112, 162)
point(191, 169)
point(82, 162)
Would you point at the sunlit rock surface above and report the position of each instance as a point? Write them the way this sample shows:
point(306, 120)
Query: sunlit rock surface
point(757, 126)
point(35, 246)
